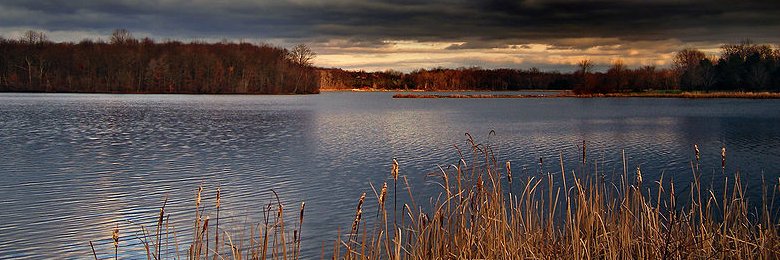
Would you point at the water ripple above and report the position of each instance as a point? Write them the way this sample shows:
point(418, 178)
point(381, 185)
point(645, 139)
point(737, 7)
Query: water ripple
point(74, 166)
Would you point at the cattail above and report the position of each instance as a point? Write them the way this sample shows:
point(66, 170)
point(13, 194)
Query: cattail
point(216, 227)
point(696, 149)
point(197, 196)
point(360, 202)
point(394, 170)
point(219, 197)
point(584, 152)
point(382, 195)
point(639, 176)
point(423, 220)
point(723, 157)
point(299, 231)
point(358, 212)
point(115, 235)
point(357, 220)
point(509, 172)
point(303, 206)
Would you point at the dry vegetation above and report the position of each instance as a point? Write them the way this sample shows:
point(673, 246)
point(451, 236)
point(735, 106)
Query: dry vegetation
point(402, 95)
point(484, 212)
point(749, 95)
point(691, 95)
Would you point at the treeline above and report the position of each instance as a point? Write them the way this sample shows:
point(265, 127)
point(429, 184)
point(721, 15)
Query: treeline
point(617, 79)
point(32, 63)
point(740, 67)
point(447, 79)
point(744, 66)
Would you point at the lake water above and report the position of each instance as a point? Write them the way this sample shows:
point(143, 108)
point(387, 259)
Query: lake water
point(74, 165)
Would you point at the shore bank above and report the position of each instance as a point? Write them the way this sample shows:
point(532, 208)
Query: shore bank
point(691, 95)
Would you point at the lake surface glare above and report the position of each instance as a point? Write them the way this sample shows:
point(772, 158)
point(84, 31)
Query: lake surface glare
point(72, 166)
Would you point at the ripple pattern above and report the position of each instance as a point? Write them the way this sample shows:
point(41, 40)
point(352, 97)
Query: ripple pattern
point(74, 166)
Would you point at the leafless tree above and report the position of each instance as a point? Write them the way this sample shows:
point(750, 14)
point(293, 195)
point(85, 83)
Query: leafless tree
point(121, 36)
point(33, 37)
point(302, 54)
point(688, 59)
point(586, 66)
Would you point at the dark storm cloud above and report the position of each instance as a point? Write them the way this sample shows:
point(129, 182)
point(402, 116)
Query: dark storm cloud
point(493, 23)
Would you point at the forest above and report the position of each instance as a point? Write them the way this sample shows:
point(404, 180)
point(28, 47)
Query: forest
point(124, 64)
point(740, 67)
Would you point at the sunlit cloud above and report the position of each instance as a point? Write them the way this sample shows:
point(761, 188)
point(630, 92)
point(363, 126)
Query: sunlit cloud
point(406, 35)
point(563, 56)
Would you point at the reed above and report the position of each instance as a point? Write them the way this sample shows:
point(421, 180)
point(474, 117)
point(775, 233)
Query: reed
point(268, 240)
point(552, 215)
point(569, 214)
point(648, 94)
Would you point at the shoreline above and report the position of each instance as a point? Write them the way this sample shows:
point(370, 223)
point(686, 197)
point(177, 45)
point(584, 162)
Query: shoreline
point(438, 91)
point(686, 95)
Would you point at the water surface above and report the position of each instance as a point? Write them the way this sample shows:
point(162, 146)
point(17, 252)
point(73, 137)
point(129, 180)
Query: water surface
point(74, 165)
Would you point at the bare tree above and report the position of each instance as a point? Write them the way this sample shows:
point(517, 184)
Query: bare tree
point(586, 66)
point(302, 54)
point(617, 74)
point(121, 36)
point(33, 37)
point(687, 65)
point(688, 59)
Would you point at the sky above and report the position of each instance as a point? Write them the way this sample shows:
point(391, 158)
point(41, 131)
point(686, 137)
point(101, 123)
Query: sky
point(404, 35)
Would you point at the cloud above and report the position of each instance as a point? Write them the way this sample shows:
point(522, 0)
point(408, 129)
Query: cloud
point(334, 27)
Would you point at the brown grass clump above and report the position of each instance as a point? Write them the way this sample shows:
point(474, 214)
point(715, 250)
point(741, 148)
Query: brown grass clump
point(649, 94)
point(560, 215)
point(400, 95)
point(691, 95)
point(579, 217)
point(268, 240)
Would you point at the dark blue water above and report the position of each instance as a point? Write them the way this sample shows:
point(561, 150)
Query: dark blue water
point(73, 166)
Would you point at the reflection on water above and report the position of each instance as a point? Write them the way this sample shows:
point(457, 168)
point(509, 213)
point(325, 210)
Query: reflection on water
point(73, 166)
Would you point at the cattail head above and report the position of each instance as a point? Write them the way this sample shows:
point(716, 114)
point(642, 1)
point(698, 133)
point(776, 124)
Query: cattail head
point(584, 150)
point(382, 195)
point(423, 220)
point(115, 235)
point(638, 175)
point(360, 202)
point(205, 224)
point(303, 206)
point(696, 149)
point(197, 196)
point(508, 172)
point(357, 219)
point(162, 214)
point(723, 157)
point(394, 170)
point(358, 212)
point(219, 197)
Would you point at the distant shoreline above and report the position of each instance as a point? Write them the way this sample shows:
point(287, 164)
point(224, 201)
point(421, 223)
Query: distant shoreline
point(436, 91)
point(688, 95)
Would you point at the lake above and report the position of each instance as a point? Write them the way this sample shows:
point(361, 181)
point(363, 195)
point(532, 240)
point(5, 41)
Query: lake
point(73, 166)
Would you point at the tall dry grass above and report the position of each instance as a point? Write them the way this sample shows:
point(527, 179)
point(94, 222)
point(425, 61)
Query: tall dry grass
point(485, 212)
point(272, 239)
point(570, 214)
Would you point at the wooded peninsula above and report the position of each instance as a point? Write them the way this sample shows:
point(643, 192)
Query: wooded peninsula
point(128, 65)
point(124, 64)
